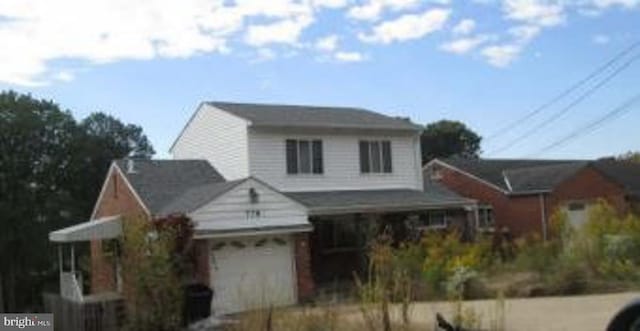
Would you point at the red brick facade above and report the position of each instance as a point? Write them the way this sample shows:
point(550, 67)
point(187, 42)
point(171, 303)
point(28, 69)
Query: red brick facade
point(523, 214)
point(589, 185)
point(306, 286)
point(116, 199)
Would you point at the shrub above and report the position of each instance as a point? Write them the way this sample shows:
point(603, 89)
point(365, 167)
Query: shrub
point(151, 275)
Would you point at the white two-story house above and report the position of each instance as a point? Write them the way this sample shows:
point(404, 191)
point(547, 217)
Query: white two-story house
point(284, 198)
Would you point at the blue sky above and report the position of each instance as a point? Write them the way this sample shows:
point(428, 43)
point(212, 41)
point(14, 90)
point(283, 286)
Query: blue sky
point(484, 62)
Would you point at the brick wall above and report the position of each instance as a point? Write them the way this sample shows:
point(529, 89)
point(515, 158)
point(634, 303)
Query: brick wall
point(522, 214)
point(589, 185)
point(117, 199)
point(519, 214)
point(306, 286)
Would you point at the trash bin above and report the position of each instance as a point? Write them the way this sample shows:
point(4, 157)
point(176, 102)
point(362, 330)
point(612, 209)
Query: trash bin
point(197, 304)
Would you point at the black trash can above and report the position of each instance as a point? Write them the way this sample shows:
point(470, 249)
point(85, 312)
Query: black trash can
point(197, 303)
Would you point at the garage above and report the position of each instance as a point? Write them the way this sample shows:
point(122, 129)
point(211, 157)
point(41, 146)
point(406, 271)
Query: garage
point(252, 272)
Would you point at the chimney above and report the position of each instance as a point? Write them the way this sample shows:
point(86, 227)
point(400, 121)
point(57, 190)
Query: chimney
point(131, 166)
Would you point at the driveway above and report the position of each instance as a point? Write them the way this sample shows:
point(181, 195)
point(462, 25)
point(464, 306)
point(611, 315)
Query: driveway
point(585, 313)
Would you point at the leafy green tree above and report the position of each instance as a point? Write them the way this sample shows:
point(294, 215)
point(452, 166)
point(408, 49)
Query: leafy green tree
point(51, 169)
point(449, 138)
point(630, 156)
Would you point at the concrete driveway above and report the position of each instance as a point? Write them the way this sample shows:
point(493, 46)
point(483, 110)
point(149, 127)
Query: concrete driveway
point(585, 313)
point(570, 313)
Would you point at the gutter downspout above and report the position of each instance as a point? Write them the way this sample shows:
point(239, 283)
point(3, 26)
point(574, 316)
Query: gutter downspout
point(543, 216)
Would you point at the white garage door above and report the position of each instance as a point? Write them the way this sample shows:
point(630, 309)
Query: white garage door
point(252, 272)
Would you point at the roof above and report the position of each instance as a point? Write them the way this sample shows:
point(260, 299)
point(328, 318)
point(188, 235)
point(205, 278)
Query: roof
point(161, 184)
point(523, 174)
point(274, 115)
point(102, 228)
point(625, 173)
point(541, 178)
point(333, 202)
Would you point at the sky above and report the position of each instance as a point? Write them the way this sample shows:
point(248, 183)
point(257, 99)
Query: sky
point(487, 63)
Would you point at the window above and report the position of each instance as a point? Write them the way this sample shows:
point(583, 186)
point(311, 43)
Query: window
point(375, 156)
point(304, 156)
point(576, 206)
point(485, 218)
point(436, 219)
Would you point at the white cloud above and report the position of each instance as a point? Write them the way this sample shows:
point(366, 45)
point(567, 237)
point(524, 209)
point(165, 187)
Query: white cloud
point(286, 31)
point(501, 55)
point(464, 27)
point(372, 9)
point(601, 39)
point(349, 56)
point(327, 44)
point(34, 33)
point(538, 12)
point(609, 3)
point(465, 45)
point(407, 27)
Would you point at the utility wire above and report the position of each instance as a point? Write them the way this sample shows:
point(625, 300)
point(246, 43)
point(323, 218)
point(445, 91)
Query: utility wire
point(570, 106)
point(590, 127)
point(563, 94)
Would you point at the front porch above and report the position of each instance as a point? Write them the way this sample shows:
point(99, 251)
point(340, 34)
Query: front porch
point(345, 222)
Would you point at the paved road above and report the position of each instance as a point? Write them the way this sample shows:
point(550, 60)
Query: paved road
point(585, 313)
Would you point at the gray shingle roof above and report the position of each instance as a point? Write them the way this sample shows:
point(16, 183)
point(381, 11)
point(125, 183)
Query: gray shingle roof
point(327, 202)
point(272, 115)
point(625, 173)
point(198, 196)
point(493, 170)
point(160, 182)
point(541, 178)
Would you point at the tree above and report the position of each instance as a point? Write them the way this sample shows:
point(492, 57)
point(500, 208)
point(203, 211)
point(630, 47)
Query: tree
point(449, 138)
point(630, 156)
point(51, 168)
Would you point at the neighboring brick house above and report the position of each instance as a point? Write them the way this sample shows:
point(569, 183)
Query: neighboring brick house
point(283, 198)
point(521, 195)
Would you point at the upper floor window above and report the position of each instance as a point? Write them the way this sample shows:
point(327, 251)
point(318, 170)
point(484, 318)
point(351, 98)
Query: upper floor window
point(375, 156)
point(304, 156)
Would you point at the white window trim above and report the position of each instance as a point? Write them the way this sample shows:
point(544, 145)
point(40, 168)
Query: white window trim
point(381, 157)
point(493, 219)
point(299, 173)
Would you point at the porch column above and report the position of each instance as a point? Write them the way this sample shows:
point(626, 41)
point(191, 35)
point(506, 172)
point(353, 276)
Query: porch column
point(73, 260)
point(60, 260)
point(302, 252)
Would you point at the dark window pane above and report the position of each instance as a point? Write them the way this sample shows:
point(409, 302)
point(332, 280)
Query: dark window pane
point(305, 156)
point(386, 156)
point(364, 157)
point(317, 157)
point(375, 156)
point(292, 156)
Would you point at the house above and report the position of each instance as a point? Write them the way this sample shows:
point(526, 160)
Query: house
point(520, 195)
point(284, 198)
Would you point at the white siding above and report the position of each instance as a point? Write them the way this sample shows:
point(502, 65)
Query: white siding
point(229, 211)
point(220, 138)
point(341, 162)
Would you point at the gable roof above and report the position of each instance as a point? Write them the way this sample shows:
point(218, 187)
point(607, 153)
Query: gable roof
point(525, 171)
point(298, 116)
point(540, 178)
point(159, 182)
point(625, 173)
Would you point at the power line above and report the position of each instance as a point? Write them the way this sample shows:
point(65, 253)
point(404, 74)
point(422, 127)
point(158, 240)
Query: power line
point(563, 94)
point(570, 106)
point(590, 127)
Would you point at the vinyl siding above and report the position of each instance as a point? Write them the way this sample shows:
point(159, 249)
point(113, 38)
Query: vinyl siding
point(230, 210)
point(220, 138)
point(341, 162)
